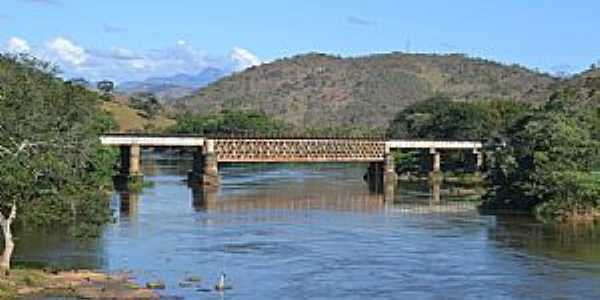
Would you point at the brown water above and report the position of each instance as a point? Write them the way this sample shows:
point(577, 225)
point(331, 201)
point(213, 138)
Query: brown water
point(316, 232)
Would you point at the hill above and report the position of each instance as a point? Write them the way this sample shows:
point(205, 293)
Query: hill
point(133, 120)
point(584, 87)
point(317, 90)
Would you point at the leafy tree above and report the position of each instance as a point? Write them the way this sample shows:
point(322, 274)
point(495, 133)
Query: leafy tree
point(79, 81)
point(53, 170)
point(146, 102)
point(547, 165)
point(407, 162)
point(229, 123)
point(106, 86)
point(441, 118)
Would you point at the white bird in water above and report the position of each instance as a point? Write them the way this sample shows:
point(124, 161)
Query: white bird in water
point(220, 286)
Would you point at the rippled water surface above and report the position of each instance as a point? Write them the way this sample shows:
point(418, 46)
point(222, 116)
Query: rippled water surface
point(316, 232)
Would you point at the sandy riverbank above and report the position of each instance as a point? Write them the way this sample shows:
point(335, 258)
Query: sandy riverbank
point(77, 283)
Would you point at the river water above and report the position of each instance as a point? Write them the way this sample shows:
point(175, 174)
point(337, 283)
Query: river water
point(317, 232)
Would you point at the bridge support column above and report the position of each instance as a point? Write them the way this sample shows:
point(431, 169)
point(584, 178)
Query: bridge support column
point(382, 178)
point(205, 166)
point(129, 173)
point(475, 161)
point(435, 160)
point(389, 170)
point(374, 177)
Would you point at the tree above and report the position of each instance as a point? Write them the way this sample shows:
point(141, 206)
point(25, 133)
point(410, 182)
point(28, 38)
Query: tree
point(106, 86)
point(79, 81)
point(53, 169)
point(146, 102)
point(441, 118)
point(9, 244)
point(229, 123)
point(547, 165)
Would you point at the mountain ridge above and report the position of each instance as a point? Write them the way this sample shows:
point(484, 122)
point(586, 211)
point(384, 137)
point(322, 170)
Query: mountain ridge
point(317, 89)
point(175, 86)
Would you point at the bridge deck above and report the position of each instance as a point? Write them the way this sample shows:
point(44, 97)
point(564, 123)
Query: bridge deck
point(151, 141)
point(183, 141)
point(415, 144)
point(288, 149)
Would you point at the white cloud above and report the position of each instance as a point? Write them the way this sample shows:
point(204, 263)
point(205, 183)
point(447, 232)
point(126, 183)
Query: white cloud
point(243, 58)
point(68, 51)
point(122, 64)
point(122, 53)
point(17, 45)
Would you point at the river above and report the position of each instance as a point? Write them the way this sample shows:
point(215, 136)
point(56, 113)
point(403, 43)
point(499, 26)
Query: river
point(317, 232)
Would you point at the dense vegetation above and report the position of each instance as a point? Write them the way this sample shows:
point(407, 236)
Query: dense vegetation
point(440, 118)
point(52, 168)
point(256, 124)
point(552, 156)
point(228, 123)
point(549, 162)
point(317, 90)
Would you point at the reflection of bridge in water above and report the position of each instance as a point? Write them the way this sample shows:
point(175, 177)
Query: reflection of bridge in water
point(289, 199)
point(303, 197)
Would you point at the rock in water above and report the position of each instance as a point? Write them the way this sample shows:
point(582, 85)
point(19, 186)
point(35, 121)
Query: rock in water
point(157, 285)
point(193, 279)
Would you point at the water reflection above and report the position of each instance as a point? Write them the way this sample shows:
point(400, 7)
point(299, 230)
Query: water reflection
point(289, 198)
point(56, 247)
point(203, 198)
point(299, 232)
point(579, 242)
point(128, 204)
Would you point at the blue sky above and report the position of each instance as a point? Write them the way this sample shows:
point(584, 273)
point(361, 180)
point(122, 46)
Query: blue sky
point(134, 39)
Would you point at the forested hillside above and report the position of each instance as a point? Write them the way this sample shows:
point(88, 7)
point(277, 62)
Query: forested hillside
point(321, 90)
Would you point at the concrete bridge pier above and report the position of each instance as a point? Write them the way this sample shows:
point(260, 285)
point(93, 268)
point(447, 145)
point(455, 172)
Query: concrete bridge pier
point(129, 172)
point(205, 170)
point(381, 176)
point(389, 170)
point(436, 160)
point(475, 160)
point(433, 162)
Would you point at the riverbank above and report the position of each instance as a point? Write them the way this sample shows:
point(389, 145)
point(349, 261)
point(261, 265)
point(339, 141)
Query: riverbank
point(84, 284)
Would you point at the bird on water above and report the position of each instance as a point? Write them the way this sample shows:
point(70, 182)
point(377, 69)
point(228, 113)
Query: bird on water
point(220, 286)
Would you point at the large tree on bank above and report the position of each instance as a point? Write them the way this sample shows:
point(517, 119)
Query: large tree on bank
point(52, 168)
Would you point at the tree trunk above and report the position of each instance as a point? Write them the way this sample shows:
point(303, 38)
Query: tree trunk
point(9, 244)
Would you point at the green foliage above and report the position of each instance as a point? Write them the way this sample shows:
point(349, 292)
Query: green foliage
point(146, 102)
point(407, 161)
point(229, 123)
point(51, 161)
point(106, 86)
point(346, 132)
point(441, 118)
point(548, 163)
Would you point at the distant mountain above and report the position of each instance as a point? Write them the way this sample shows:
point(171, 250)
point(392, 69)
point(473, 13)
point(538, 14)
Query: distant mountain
point(322, 90)
point(172, 87)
